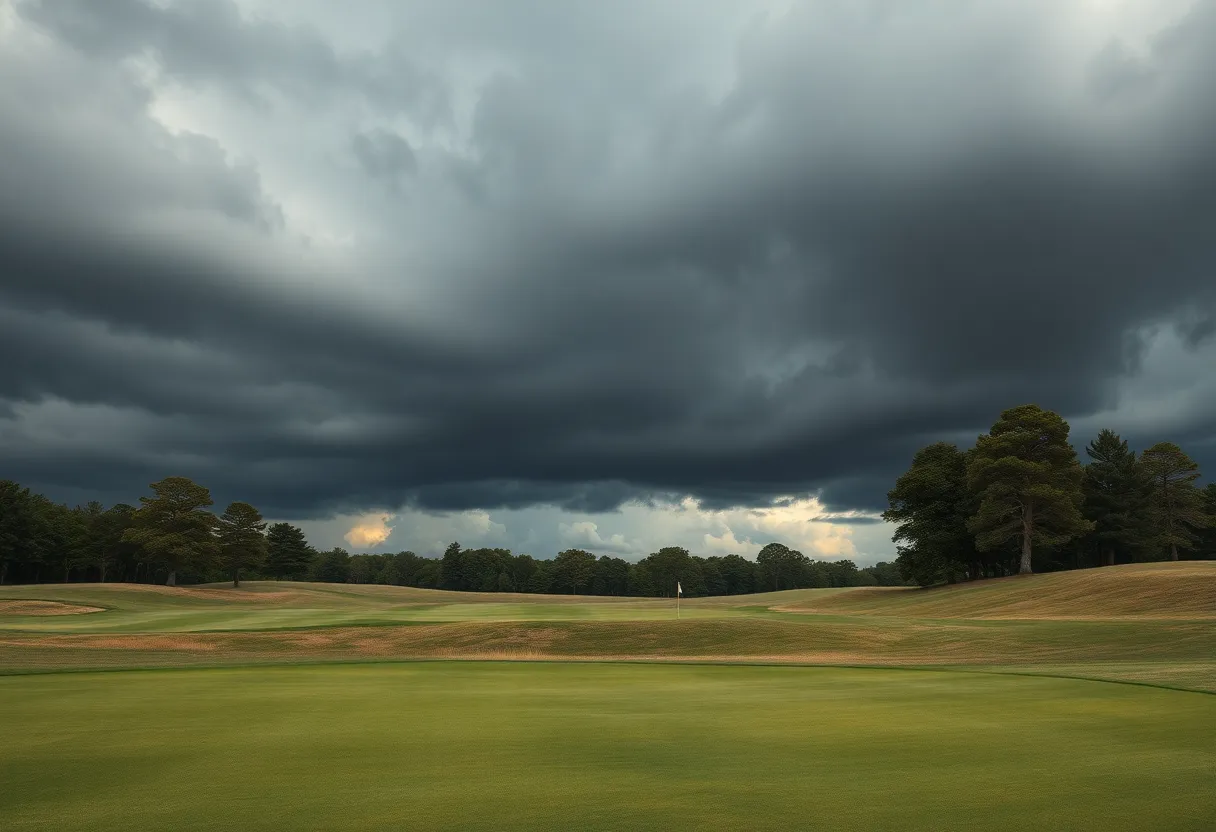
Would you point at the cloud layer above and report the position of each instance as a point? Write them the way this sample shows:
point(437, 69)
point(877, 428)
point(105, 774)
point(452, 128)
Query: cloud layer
point(408, 257)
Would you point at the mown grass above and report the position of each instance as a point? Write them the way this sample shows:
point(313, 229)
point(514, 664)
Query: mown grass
point(1152, 626)
point(530, 746)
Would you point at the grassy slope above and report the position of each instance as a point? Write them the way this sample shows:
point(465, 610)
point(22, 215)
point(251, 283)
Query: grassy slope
point(1154, 623)
point(524, 746)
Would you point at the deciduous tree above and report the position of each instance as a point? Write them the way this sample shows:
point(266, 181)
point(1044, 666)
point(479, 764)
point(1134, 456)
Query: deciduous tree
point(573, 570)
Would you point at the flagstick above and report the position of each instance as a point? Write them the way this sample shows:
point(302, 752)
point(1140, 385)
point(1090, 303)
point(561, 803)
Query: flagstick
point(677, 602)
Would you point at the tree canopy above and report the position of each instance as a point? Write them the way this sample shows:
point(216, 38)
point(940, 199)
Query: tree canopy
point(1028, 481)
point(174, 526)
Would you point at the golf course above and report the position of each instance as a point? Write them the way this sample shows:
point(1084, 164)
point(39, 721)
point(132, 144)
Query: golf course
point(1078, 700)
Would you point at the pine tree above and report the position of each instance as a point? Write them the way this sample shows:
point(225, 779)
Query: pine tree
point(1177, 505)
point(1208, 537)
point(1028, 481)
point(288, 554)
point(1117, 492)
point(929, 504)
point(242, 542)
point(174, 527)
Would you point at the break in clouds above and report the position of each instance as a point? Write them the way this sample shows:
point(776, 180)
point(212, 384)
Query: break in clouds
point(548, 274)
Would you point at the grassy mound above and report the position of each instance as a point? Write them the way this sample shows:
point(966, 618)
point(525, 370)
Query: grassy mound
point(1184, 590)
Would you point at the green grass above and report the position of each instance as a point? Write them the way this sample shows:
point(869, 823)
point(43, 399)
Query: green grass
point(1149, 622)
point(282, 731)
point(493, 746)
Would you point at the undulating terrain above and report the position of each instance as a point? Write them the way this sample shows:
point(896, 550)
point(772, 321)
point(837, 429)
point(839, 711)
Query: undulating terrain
point(342, 707)
point(1150, 622)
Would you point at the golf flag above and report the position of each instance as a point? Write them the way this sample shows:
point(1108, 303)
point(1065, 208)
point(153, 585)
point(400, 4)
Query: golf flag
point(678, 590)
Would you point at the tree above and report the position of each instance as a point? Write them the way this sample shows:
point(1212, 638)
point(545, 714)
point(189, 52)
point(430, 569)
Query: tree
point(242, 542)
point(1177, 505)
point(669, 566)
point(174, 527)
point(573, 570)
point(451, 568)
point(930, 505)
point(1028, 481)
point(287, 551)
point(1117, 492)
point(332, 567)
point(16, 511)
point(611, 577)
point(1208, 539)
point(782, 565)
point(738, 574)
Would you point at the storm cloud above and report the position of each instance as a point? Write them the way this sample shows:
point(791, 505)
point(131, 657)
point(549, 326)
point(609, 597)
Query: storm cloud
point(424, 256)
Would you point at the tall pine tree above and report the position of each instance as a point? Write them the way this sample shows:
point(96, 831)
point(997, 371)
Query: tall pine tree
point(1117, 492)
point(288, 554)
point(929, 506)
point(1177, 505)
point(1028, 481)
point(242, 542)
point(174, 527)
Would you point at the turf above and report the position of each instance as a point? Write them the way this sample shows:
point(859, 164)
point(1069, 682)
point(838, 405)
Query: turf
point(525, 746)
point(1147, 623)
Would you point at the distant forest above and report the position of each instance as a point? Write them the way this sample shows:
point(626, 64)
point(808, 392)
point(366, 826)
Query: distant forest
point(174, 537)
point(1018, 501)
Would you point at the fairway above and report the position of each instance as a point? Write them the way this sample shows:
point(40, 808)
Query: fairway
point(442, 745)
point(1146, 623)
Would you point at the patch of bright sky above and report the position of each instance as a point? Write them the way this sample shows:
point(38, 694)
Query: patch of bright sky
point(632, 532)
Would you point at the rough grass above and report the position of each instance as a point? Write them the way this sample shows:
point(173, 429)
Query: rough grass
point(475, 746)
point(41, 608)
point(1152, 622)
point(1185, 590)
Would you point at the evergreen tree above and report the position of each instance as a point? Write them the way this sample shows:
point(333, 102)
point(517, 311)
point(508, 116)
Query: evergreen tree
point(1207, 547)
point(174, 527)
point(16, 519)
point(930, 505)
point(1117, 492)
point(288, 554)
point(451, 568)
point(242, 542)
point(1177, 505)
point(1028, 480)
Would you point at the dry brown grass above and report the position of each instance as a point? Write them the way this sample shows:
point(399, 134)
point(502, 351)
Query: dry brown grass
point(43, 608)
point(1165, 591)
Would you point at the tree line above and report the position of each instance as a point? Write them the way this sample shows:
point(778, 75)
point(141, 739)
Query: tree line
point(1020, 501)
point(174, 537)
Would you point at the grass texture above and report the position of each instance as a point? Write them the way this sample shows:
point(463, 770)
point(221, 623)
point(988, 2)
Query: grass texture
point(502, 746)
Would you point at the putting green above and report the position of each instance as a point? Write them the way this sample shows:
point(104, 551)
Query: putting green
point(468, 745)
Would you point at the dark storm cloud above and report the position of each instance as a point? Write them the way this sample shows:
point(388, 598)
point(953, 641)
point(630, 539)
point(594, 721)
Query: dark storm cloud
point(892, 226)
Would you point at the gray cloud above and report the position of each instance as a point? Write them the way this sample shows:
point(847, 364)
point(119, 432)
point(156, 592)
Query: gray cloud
point(775, 262)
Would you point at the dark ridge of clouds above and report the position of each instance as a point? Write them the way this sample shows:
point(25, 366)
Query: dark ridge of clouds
point(889, 229)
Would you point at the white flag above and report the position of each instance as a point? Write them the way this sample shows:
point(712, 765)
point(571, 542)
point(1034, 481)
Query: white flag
point(678, 590)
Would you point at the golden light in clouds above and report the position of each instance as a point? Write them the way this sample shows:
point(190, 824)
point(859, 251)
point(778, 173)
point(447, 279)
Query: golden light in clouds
point(370, 531)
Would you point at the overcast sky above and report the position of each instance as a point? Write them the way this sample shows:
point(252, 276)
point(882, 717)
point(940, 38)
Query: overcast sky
point(552, 273)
